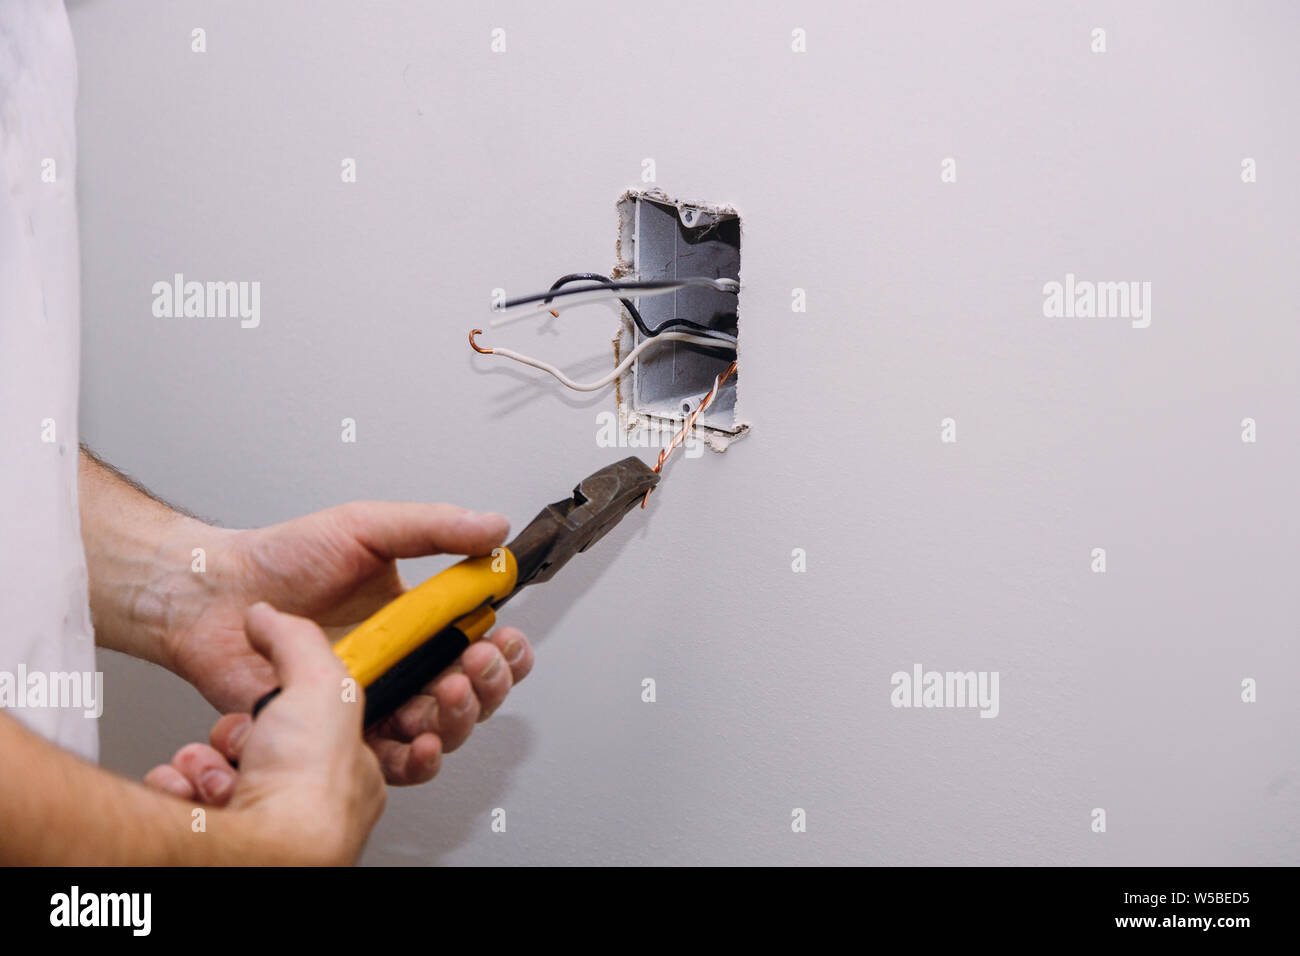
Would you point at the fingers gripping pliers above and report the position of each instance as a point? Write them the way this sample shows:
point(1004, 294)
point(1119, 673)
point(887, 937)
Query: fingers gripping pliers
point(405, 644)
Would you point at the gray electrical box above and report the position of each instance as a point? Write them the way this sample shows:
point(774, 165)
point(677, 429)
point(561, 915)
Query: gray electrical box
point(666, 239)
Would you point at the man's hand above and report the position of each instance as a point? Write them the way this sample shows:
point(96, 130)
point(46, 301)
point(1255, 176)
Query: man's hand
point(153, 597)
point(305, 781)
point(337, 567)
point(308, 789)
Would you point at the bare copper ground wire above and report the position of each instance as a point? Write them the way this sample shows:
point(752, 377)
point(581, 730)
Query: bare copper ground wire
point(690, 423)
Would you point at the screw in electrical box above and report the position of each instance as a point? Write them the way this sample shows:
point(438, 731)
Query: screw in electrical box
point(664, 239)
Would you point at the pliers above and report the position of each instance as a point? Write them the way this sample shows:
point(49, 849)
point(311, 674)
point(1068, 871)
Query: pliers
point(408, 642)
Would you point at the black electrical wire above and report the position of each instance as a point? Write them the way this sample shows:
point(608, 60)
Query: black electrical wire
point(609, 283)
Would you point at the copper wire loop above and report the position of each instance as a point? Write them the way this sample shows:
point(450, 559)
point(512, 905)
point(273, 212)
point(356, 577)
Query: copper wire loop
point(690, 422)
point(474, 345)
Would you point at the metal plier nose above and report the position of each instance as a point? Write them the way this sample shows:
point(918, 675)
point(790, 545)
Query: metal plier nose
point(573, 525)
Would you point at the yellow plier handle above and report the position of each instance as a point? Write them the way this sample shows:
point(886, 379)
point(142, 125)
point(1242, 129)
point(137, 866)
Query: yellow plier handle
point(397, 649)
point(405, 644)
point(461, 595)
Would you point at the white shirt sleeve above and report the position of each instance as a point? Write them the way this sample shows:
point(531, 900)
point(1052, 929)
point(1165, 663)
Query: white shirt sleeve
point(46, 640)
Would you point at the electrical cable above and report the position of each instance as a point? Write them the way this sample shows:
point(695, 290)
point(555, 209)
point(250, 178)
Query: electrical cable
point(628, 304)
point(650, 286)
point(608, 289)
point(623, 366)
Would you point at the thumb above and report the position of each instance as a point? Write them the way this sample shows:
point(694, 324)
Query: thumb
point(393, 529)
point(296, 647)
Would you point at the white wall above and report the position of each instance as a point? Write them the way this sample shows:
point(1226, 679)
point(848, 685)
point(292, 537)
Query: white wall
point(925, 299)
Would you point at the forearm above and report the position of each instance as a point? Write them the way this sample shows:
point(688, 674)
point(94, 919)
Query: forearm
point(59, 810)
point(141, 560)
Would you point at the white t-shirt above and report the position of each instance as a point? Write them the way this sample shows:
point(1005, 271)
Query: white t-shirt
point(45, 625)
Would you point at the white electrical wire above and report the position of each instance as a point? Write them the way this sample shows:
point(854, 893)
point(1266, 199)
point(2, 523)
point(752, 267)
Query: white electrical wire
point(622, 366)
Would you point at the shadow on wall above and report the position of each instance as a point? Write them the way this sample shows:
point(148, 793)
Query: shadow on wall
point(473, 781)
point(476, 778)
point(531, 383)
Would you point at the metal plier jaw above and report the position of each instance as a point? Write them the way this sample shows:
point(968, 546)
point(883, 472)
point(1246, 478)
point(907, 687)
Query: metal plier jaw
point(573, 525)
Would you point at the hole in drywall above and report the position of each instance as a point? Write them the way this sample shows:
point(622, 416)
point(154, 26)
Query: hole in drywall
point(663, 239)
